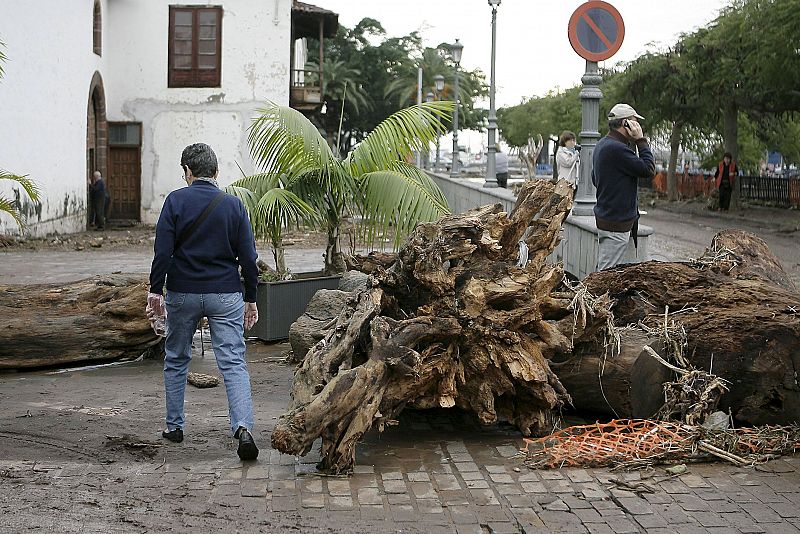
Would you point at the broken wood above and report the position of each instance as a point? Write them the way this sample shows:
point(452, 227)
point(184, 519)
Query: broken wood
point(740, 315)
point(100, 318)
point(452, 321)
point(448, 321)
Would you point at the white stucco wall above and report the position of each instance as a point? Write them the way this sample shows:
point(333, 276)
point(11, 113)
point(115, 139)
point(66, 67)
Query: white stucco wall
point(255, 68)
point(45, 94)
point(43, 103)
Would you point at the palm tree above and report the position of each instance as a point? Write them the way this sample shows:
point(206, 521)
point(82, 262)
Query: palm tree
point(342, 89)
point(9, 205)
point(374, 182)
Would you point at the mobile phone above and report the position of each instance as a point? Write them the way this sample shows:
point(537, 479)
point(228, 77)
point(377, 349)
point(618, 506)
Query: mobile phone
point(626, 125)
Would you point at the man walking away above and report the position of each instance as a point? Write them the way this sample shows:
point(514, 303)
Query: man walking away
point(619, 160)
point(203, 237)
point(97, 195)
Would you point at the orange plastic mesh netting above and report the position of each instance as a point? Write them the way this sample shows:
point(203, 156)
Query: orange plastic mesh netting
point(603, 444)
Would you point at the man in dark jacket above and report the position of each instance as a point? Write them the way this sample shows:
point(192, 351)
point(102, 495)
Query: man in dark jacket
point(202, 279)
point(619, 160)
point(97, 195)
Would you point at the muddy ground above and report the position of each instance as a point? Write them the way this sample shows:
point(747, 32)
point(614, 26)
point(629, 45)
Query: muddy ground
point(112, 416)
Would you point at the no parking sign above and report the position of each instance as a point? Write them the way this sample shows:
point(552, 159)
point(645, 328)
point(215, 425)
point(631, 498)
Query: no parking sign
point(596, 30)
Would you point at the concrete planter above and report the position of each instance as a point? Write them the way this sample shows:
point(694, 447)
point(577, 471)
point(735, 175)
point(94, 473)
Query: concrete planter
point(281, 303)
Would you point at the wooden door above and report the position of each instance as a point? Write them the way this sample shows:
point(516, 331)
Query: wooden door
point(124, 182)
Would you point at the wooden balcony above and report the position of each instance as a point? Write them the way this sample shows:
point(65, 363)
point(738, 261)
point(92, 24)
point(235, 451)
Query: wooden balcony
point(307, 87)
point(305, 91)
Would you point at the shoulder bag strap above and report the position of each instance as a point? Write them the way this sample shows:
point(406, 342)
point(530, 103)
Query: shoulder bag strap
point(189, 231)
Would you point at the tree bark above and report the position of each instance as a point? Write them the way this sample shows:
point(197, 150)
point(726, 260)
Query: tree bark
point(100, 318)
point(674, 146)
point(625, 384)
point(448, 321)
point(740, 324)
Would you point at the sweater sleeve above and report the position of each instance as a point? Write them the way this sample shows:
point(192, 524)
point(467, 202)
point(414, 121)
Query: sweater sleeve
point(641, 166)
point(246, 250)
point(163, 248)
point(566, 158)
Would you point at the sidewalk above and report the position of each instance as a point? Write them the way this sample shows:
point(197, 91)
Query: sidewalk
point(438, 471)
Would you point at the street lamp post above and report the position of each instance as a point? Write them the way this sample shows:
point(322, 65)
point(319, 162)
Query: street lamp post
point(491, 170)
point(456, 49)
point(429, 98)
point(438, 84)
point(586, 195)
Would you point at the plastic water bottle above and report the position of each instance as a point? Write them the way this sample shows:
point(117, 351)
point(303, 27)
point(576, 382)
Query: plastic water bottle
point(159, 325)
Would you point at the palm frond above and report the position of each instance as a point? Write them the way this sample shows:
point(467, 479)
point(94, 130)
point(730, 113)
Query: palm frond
point(279, 209)
point(30, 187)
point(399, 199)
point(259, 183)
point(398, 136)
point(284, 142)
point(9, 206)
point(247, 196)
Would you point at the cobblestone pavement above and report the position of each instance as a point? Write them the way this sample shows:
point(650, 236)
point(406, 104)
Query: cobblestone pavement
point(433, 482)
point(437, 471)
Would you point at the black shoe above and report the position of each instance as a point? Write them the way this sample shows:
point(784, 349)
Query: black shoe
point(175, 436)
point(247, 446)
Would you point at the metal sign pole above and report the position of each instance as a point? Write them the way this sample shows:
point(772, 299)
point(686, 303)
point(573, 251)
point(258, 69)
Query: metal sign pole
point(491, 174)
point(586, 195)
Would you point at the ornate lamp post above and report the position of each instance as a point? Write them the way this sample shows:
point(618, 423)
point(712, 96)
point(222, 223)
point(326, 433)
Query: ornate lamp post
point(491, 173)
point(438, 84)
point(456, 50)
point(429, 98)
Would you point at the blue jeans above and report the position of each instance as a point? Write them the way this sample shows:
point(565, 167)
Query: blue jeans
point(225, 313)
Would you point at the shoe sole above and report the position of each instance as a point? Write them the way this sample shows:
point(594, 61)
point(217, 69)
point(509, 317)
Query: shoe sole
point(173, 440)
point(247, 451)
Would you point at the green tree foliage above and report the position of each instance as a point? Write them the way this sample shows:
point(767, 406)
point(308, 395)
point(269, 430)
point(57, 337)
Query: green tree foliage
point(547, 116)
point(384, 75)
point(439, 61)
point(302, 180)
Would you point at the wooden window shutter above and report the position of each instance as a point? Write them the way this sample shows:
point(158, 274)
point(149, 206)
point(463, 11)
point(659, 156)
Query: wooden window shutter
point(195, 46)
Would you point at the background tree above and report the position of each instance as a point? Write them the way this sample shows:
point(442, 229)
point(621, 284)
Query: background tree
point(385, 74)
point(302, 180)
point(748, 65)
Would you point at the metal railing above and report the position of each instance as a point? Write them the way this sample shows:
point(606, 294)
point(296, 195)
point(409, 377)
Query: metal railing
point(779, 191)
point(305, 78)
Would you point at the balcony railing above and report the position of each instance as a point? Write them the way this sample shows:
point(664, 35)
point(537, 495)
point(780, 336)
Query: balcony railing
point(305, 91)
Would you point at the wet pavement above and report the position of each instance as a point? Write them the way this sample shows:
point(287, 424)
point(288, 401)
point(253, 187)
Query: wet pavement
point(81, 453)
point(80, 450)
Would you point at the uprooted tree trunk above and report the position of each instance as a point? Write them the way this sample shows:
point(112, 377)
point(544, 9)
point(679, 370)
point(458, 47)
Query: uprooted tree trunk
point(452, 321)
point(741, 317)
point(449, 321)
point(100, 318)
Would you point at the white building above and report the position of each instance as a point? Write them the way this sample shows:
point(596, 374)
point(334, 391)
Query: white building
point(122, 86)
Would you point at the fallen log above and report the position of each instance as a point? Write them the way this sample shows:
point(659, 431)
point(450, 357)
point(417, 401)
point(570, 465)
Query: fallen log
point(100, 318)
point(740, 314)
point(448, 321)
point(451, 320)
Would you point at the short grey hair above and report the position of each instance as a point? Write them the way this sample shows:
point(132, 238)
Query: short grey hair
point(200, 159)
point(615, 123)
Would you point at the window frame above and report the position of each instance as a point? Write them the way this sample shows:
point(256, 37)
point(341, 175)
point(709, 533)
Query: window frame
point(97, 28)
point(194, 77)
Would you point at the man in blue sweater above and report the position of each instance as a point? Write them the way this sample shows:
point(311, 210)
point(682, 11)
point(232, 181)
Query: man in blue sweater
point(201, 265)
point(619, 160)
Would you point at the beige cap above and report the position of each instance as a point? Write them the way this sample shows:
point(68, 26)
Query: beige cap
point(623, 111)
